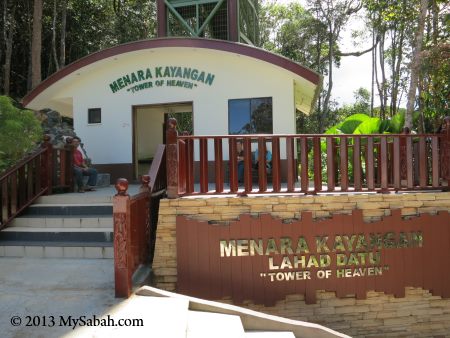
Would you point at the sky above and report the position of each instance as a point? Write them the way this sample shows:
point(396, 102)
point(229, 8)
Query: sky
point(354, 72)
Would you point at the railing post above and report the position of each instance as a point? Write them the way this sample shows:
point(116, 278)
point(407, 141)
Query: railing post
point(69, 163)
point(122, 237)
point(172, 158)
point(47, 165)
point(145, 235)
point(445, 150)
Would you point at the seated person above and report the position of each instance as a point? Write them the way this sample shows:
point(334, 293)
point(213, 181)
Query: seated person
point(268, 160)
point(81, 168)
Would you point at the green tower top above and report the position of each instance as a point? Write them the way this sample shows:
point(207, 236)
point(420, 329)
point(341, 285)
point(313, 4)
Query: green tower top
point(233, 20)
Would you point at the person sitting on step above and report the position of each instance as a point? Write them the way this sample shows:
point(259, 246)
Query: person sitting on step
point(268, 161)
point(81, 168)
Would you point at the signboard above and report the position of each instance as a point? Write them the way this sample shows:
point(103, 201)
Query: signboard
point(160, 76)
point(263, 259)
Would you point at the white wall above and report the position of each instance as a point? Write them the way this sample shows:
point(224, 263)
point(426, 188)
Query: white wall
point(236, 76)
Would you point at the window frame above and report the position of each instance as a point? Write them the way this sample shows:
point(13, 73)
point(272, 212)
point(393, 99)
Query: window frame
point(250, 113)
point(94, 110)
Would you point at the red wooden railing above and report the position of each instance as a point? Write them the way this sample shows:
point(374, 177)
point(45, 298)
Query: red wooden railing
point(135, 220)
point(37, 174)
point(328, 163)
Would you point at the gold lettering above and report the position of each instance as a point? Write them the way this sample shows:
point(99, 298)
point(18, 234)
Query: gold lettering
point(374, 257)
point(256, 248)
point(300, 261)
point(321, 244)
point(341, 259)
point(273, 266)
point(285, 245)
point(302, 246)
point(376, 241)
point(325, 261)
point(402, 240)
point(338, 244)
point(361, 243)
point(312, 262)
point(350, 241)
point(228, 249)
point(242, 247)
point(286, 263)
point(362, 257)
point(271, 247)
point(389, 240)
point(353, 260)
point(416, 240)
point(340, 273)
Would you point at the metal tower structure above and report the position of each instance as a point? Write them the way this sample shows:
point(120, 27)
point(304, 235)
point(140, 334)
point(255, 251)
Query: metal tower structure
point(233, 20)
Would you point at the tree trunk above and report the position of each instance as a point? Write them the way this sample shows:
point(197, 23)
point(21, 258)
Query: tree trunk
point(326, 101)
point(8, 34)
point(36, 44)
point(55, 55)
point(415, 63)
point(62, 45)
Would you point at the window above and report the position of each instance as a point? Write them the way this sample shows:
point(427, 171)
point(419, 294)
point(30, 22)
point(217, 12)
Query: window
point(250, 116)
point(94, 115)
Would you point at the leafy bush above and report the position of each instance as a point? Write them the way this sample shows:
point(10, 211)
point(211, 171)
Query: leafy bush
point(19, 131)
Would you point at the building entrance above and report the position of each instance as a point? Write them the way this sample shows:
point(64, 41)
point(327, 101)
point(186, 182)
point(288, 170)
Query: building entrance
point(148, 130)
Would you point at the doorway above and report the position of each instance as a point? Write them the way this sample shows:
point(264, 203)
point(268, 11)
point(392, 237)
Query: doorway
point(148, 130)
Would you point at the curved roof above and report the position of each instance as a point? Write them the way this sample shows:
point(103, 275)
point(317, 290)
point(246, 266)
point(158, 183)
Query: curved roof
point(219, 45)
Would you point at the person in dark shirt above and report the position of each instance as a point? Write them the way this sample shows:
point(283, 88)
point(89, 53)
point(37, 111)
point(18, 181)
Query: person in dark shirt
point(81, 168)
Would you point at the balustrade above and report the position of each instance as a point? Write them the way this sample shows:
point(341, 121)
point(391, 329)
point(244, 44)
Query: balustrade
point(308, 163)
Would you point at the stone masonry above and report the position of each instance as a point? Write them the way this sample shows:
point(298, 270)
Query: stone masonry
point(419, 314)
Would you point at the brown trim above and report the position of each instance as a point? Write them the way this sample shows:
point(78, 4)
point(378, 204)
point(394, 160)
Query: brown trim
point(220, 45)
point(233, 31)
point(133, 139)
point(161, 11)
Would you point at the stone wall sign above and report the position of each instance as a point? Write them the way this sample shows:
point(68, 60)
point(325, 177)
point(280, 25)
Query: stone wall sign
point(263, 259)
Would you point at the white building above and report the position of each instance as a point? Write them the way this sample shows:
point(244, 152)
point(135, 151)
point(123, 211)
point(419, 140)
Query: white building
point(120, 97)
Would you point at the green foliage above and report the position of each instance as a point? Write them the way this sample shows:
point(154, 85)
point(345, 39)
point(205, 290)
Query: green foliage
point(370, 126)
point(19, 132)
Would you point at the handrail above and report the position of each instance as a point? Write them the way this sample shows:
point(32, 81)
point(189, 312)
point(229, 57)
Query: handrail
point(157, 171)
point(135, 220)
point(21, 185)
point(308, 163)
point(33, 176)
point(23, 161)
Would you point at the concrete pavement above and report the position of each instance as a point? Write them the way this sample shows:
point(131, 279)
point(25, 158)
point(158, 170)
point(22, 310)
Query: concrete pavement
point(40, 288)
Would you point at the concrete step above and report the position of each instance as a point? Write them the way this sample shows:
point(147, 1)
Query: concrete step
point(208, 324)
point(28, 234)
point(45, 221)
point(60, 209)
point(57, 250)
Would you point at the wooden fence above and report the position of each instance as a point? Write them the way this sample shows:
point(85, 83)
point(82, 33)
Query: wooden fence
point(39, 173)
point(310, 164)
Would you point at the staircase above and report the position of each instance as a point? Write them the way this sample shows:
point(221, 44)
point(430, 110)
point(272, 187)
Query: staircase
point(169, 314)
point(62, 226)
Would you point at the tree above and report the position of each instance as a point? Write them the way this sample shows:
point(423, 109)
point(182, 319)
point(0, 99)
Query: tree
point(36, 44)
point(334, 14)
point(415, 63)
point(19, 132)
point(8, 35)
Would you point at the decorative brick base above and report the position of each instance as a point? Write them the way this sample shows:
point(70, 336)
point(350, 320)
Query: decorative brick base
point(418, 314)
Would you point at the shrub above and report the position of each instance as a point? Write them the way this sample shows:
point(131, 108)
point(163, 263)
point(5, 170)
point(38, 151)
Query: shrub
point(20, 129)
